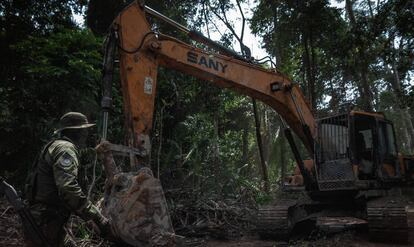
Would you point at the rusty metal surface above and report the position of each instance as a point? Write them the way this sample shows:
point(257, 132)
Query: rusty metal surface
point(243, 78)
point(338, 224)
point(142, 52)
point(126, 151)
point(387, 220)
point(138, 71)
point(273, 220)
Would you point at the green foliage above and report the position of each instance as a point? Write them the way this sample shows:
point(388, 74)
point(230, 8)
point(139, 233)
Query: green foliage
point(58, 73)
point(263, 198)
point(361, 53)
point(291, 29)
point(203, 136)
point(25, 97)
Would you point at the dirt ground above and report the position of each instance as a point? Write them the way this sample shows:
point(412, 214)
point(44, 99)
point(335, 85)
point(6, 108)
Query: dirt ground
point(10, 232)
point(341, 240)
point(345, 239)
point(11, 236)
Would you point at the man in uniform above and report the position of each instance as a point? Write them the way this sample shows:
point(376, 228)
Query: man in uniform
point(53, 190)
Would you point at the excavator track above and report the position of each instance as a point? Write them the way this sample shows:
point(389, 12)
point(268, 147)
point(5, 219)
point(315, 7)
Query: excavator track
point(273, 220)
point(387, 220)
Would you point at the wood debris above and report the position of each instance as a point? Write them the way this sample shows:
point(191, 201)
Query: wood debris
point(206, 217)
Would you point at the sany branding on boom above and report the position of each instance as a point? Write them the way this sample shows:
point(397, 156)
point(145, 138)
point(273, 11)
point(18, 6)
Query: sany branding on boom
point(206, 61)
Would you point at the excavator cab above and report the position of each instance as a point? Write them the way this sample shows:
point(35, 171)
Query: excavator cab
point(357, 171)
point(355, 147)
point(375, 154)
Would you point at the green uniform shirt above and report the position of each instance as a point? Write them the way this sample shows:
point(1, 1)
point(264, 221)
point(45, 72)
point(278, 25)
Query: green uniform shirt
point(57, 180)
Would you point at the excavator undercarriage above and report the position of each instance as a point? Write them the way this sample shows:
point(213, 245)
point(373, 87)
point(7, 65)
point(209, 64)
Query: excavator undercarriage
point(385, 218)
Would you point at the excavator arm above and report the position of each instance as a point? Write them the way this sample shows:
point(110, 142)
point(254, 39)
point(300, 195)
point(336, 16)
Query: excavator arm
point(141, 52)
point(334, 179)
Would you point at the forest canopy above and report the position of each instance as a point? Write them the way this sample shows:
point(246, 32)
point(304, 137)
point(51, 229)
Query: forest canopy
point(341, 53)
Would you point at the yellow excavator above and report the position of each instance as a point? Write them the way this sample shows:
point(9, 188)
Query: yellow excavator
point(355, 170)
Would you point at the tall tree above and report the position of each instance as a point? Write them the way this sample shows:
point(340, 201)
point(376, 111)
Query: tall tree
point(21, 113)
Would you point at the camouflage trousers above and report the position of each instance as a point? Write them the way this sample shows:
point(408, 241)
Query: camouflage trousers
point(51, 221)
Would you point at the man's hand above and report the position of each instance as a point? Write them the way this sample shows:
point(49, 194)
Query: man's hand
point(104, 153)
point(102, 149)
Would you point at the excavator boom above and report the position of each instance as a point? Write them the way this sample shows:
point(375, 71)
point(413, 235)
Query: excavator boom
point(142, 51)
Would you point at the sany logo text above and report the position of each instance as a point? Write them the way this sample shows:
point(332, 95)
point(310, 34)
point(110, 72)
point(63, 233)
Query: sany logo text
point(206, 61)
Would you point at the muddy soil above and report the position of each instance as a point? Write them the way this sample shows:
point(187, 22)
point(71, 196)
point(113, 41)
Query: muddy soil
point(347, 239)
point(10, 235)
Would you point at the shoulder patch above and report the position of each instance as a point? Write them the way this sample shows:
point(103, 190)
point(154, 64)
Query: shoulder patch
point(66, 160)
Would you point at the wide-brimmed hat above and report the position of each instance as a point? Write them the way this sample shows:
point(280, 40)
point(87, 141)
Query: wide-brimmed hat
point(73, 120)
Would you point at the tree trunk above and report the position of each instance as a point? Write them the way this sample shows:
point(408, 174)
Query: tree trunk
point(310, 84)
point(371, 12)
point(282, 158)
point(350, 12)
point(407, 125)
point(267, 136)
point(277, 51)
point(313, 71)
point(256, 117)
point(260, 145)
point(367, 96)
point(245, 145)
point(216, 147)
point(406, 140)
point(360, 64)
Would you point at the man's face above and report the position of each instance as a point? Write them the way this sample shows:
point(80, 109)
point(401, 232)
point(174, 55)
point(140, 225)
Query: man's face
point(83, 136)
